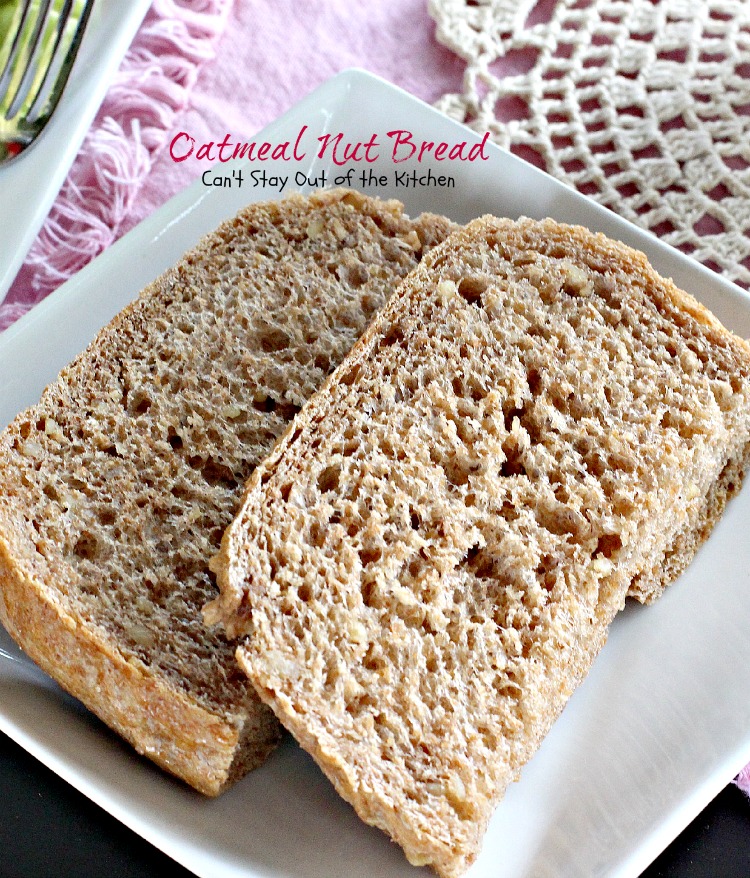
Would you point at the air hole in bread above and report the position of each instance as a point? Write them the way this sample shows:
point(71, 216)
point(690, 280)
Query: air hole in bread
point(533, 429)
point(538, 330)
point(272, 339)
point(595, 464)
point(680, 421)
point(328, 479)
point(513, 464)
point(86, 546)
point(372, 661)
point(174, 439)
point(545, 571)
point(179, 492)
point(107, 517)
point(476, 391)
point(322, 362)
point(416, 565)
point(140, 403)
point(394, 336)
point(369, 305)
point(349, 377)
point(317, 535)
point(534, 380)
point(349, 449)
point(51, 492)
point(287, 410)
point(509, 511)
point(700, 351)
point(621, 461)
point(578, 409)
point(471, 288)
point(353, 273)
point(369, 555)
point(371, 595)
point(510, 412)
point(457, 471)
point(216, 473)
point(479, 562)
point(559, 520)
point(264, 404)
point(608, 545)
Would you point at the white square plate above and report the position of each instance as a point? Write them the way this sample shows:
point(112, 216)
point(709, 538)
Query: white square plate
point(659, 727)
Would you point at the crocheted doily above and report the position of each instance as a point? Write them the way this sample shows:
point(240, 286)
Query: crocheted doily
point(642, 105)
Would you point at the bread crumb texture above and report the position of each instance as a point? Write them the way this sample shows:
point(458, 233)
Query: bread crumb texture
point(117, 486)
point(427, 564)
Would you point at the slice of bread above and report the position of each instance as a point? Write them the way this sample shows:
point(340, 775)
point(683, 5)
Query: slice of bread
point(426, 565)
point(117, 486)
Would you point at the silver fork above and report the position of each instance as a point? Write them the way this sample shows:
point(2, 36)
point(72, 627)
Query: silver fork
point(36, 57)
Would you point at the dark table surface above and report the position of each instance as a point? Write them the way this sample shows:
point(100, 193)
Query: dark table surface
point(50, 830)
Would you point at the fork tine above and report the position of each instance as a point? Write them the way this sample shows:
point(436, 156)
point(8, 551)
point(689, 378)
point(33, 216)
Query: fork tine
point(29, 54)
point(14, 48)
point(62, 23)
point(52, 85)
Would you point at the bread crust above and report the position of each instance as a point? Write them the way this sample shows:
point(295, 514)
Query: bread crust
point(160, 723)
point(649, 585)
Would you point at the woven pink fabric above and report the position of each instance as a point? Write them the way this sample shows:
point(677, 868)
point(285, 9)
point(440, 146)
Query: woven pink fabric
point(212, 67)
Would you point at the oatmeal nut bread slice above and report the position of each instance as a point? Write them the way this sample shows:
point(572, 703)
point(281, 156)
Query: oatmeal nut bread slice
point(426, 565)
point(117, 486)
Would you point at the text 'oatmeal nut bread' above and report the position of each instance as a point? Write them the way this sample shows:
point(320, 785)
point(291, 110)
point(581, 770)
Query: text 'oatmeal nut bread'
point(117, 486)
point(427, 563)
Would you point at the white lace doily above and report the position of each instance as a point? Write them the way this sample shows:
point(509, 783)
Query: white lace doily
point(644, 105)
